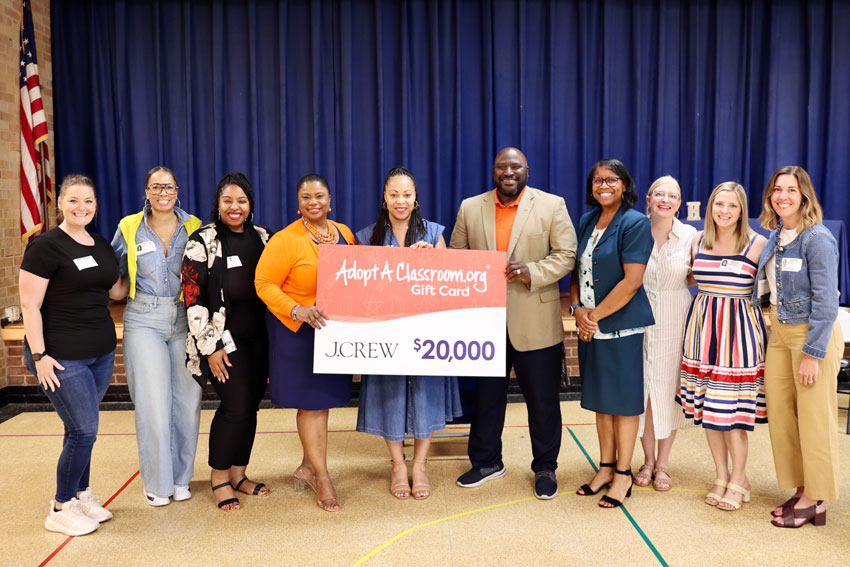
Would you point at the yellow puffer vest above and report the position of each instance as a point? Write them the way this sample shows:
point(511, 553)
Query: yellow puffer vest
point(129, 226)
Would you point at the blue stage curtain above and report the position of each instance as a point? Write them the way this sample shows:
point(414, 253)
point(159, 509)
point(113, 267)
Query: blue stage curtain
point(705, 91)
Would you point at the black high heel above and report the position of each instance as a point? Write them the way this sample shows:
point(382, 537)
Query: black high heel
point(614, 503)
point(585, 489)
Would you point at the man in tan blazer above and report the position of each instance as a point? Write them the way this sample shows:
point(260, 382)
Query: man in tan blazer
point(534, 228)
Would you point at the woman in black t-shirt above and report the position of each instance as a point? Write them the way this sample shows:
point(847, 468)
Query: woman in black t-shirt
point(67, 276)
point(227, 340)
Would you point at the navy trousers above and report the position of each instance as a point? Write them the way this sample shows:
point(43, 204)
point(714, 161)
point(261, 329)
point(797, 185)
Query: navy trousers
point(539, 375)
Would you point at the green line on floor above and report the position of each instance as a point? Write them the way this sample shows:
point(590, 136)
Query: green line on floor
point(623, 507)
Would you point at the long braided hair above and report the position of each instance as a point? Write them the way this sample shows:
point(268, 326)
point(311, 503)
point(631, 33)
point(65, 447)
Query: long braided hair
point(415, 228)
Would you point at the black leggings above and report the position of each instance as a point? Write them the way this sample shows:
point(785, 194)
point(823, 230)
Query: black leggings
point(235, 422)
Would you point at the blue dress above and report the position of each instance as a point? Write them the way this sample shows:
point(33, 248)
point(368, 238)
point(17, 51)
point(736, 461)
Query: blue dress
point(392, 406)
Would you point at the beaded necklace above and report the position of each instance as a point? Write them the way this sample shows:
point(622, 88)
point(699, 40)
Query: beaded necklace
point(330, 237)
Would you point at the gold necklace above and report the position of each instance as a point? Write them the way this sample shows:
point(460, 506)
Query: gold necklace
point(164, 241)
point(330, 237)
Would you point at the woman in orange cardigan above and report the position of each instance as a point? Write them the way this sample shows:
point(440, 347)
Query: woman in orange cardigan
point(286, 282)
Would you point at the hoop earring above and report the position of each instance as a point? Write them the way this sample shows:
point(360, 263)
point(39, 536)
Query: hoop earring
point(416, 203)
point(384, 204)
point(251, 216)
point(146, 205)
point(178, 203)
point(218, 215)
point(677, 212)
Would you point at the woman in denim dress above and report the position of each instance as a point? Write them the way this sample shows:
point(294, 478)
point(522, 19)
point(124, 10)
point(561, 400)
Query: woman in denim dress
point(395, 406)
point(798, 277)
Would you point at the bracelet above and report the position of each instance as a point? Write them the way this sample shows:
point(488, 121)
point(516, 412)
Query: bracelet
point(293, 313)
point(573, 307)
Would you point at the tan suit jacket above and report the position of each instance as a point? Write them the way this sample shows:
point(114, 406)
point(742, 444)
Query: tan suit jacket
point(544, 238)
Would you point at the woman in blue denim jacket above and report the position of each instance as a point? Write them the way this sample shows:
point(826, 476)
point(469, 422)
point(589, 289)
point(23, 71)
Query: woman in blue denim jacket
point(798, 276)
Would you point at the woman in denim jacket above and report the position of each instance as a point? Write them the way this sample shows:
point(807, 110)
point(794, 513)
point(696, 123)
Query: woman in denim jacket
point(798, 275)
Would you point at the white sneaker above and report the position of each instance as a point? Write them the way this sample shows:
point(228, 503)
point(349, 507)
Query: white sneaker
point(90, 506)
point(155, 500)
point(70, 520)
point(182, 492)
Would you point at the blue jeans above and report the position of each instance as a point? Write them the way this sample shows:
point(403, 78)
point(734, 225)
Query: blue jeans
point(81, 387)
point(167, 398)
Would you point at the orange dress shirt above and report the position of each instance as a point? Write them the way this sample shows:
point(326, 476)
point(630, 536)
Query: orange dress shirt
point(505, 220)
point(286, 272)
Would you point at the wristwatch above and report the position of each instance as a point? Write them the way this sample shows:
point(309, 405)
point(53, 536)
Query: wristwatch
point(292, 313)
point(36, 356)
point(573, 307)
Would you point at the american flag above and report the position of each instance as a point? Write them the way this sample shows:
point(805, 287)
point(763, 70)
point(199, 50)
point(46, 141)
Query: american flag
point(36, 189)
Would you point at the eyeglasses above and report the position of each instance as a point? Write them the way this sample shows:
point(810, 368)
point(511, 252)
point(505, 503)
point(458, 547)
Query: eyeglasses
point(668, 196)
point(159, 188)
point(609, 181)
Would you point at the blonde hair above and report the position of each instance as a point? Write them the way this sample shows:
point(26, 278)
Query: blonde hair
point(810, 209)
point(742, 231)
point(658, 183)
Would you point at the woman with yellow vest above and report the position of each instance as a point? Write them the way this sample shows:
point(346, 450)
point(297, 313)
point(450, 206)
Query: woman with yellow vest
point(149, 248)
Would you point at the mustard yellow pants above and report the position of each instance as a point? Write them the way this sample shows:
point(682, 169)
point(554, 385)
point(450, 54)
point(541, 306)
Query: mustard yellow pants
point(803, 419)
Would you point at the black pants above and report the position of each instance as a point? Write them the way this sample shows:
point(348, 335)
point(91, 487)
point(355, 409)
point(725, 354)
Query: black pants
point(235, 422)
point(539, 375)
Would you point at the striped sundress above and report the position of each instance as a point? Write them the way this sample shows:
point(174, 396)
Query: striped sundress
point(722, 377)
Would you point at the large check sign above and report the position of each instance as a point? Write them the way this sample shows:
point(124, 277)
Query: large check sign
point(422, 312)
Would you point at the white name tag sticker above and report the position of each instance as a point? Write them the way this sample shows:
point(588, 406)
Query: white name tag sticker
point(731, 264)
point(145, 248)
point(85, 262)
point(792, 264)
point(676, 253)
point(764, 287)
point(233, 262)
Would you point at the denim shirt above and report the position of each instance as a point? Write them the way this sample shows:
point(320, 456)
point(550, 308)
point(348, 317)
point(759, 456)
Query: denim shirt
point(158, 274)
point(808, 294)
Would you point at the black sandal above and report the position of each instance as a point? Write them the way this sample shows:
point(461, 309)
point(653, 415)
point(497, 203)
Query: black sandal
point(257, 488)
point(613, 501)
point(585, 488)
point(224, 503)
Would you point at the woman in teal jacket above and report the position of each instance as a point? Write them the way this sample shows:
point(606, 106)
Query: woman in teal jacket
point(611, 311)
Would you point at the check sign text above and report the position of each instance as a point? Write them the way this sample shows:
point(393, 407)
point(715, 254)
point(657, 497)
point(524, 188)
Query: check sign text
point(402, 311)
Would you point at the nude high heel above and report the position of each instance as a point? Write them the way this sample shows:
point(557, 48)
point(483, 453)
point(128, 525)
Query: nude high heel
point(422, 490)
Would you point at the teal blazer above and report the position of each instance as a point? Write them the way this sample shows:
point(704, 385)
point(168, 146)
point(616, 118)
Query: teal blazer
point(627, 240)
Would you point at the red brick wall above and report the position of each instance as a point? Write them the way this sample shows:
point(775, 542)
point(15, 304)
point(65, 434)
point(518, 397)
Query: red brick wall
point(17, 374)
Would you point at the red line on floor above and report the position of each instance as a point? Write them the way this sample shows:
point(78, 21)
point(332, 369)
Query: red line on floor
point(111, 498)
point(55, 551)
point(120, 490)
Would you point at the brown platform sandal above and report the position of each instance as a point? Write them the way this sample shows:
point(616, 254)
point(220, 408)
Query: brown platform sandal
point(810, 514)
point(785, 506)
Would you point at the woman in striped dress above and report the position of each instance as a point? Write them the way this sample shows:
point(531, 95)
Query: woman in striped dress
point(722, 378)
point(666, 284)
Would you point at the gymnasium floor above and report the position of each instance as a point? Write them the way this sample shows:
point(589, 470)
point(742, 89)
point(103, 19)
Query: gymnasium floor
point(499, 523)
